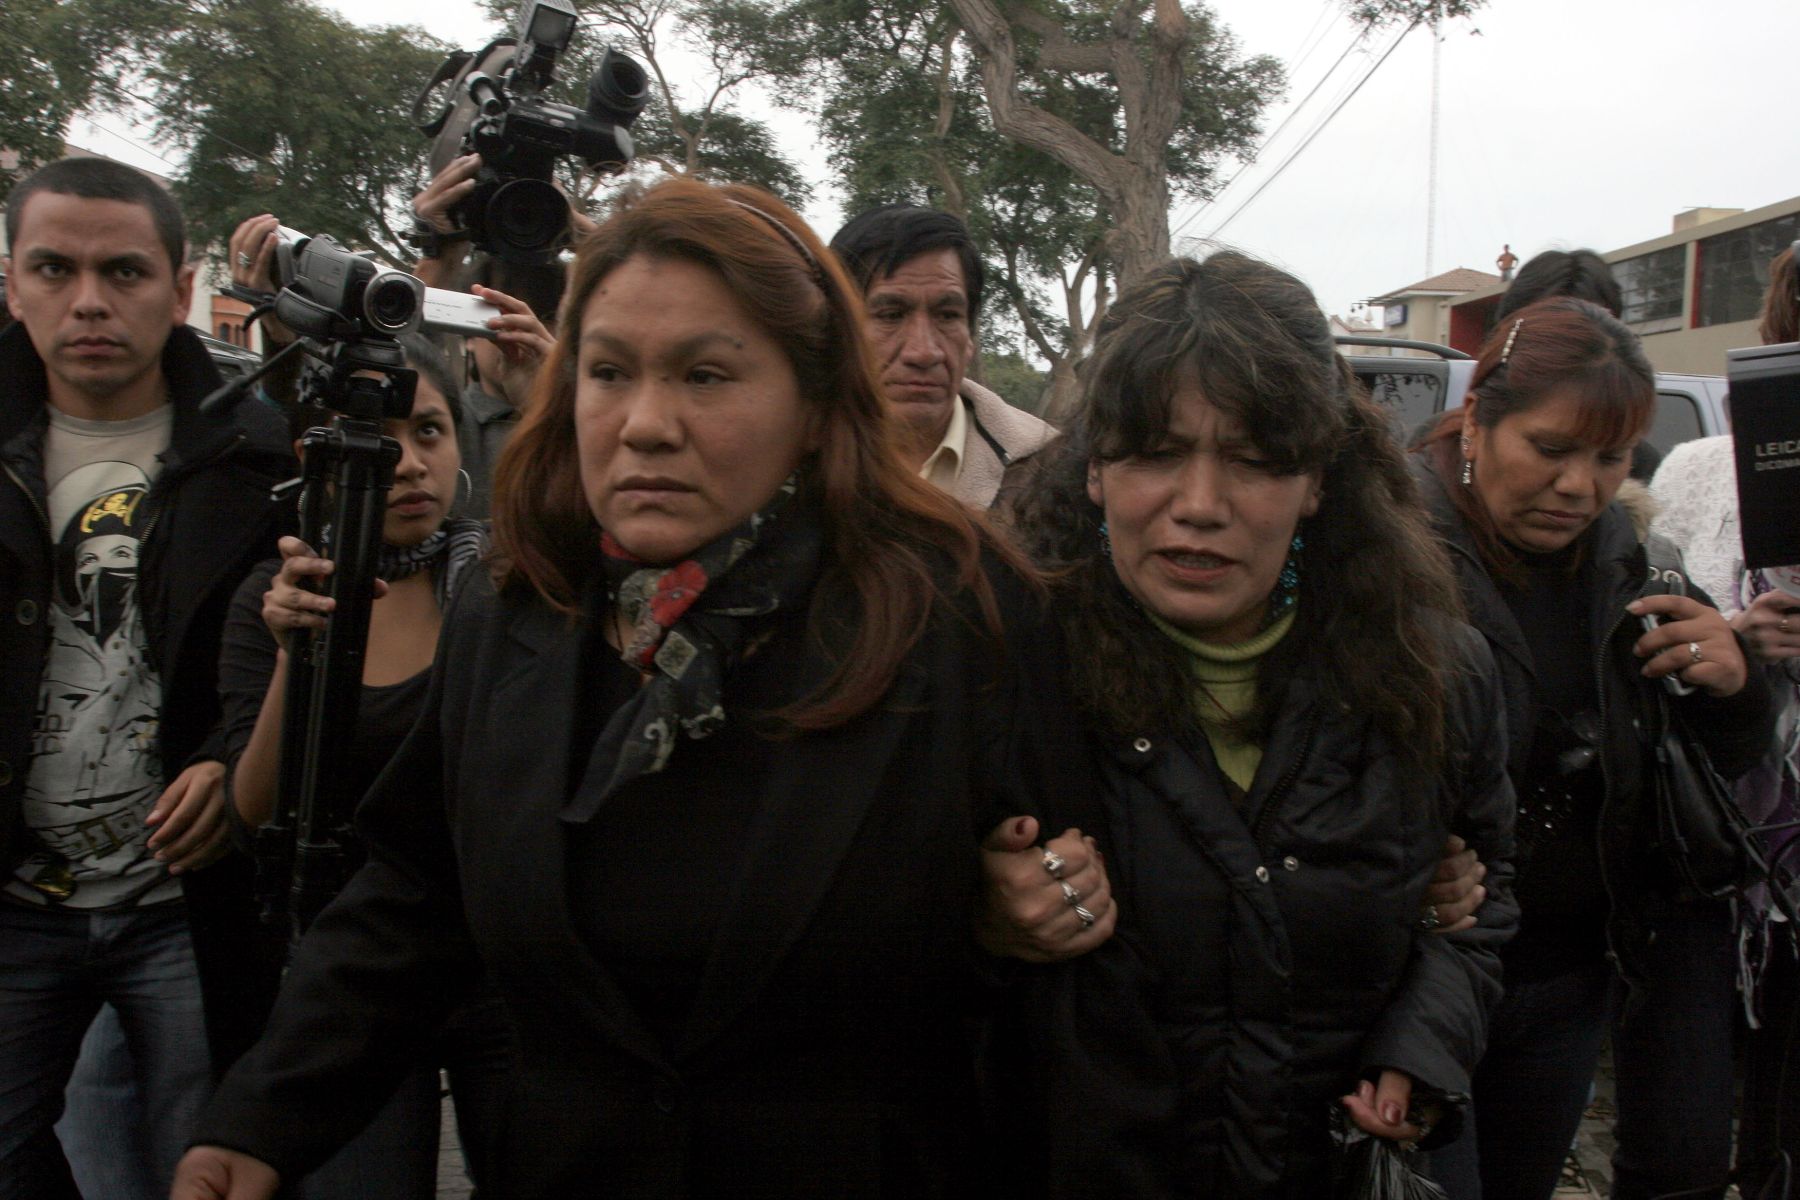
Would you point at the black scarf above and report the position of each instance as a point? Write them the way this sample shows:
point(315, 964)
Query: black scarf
point(690, 621)
point(451, 550)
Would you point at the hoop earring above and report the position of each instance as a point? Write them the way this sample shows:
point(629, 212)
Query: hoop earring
point(466, 492)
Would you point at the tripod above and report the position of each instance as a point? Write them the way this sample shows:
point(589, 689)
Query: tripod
point(302, 852)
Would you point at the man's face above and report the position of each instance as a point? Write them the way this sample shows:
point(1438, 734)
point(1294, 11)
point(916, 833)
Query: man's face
point(96, 292)
point(919, 323)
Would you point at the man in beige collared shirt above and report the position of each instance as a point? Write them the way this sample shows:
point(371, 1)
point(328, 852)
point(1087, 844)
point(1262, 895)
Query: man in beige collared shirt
point(921, 277)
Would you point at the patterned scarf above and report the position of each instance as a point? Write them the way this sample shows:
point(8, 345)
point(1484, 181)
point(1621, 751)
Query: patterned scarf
point(449, 552)
point(689, 624)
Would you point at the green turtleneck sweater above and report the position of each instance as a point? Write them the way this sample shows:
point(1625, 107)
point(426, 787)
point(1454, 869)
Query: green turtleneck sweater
point(1225, 689)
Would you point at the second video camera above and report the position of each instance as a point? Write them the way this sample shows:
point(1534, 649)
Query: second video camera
point(496, 107)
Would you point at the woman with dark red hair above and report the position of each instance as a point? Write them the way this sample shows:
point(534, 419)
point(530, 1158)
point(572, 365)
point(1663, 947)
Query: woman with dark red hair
point(701, 782)
point(1528, 488)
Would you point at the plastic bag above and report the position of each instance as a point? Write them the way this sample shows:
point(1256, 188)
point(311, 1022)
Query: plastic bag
point(1374, 1168)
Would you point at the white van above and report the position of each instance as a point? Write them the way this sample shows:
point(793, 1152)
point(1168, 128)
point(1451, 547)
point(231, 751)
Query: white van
point(1416, 390)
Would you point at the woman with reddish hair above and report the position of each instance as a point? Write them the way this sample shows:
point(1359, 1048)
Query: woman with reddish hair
point(702, 777)
point(1527, 484)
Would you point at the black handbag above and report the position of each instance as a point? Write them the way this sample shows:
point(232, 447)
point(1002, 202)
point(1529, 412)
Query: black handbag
point(1701, 829)
point(1704, 834)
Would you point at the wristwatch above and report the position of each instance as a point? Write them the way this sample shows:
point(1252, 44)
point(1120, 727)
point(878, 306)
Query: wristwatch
point(431, 241)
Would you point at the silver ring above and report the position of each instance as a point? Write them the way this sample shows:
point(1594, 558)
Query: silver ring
point(1429, 920)
point(1053, 863)
point(244, 260)
point(1070, 894)
point(1694, 651)
point(1086, 917)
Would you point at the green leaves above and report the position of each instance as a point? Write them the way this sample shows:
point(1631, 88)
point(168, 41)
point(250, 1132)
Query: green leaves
point(59, 58)
point(283, 107)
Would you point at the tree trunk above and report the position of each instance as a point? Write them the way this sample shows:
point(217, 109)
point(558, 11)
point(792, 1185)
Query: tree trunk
point(1134, 186)
point(1139, 238)
point(1060, 396)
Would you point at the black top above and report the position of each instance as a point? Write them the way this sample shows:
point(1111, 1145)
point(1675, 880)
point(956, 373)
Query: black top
point(247, 663)
point(1268, 954)
point(1640, 885)
point(827, 1051)
point(1559, 884)
point(651, 876)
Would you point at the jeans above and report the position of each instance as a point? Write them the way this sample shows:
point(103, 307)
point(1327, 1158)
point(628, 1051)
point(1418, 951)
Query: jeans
point(56, 969)
point(1530, 1088)
point(1671, 1051)
point(1769, 1119)
point(102, 1127)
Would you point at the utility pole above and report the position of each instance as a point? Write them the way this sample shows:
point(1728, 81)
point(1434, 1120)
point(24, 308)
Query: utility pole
point(1431, 174)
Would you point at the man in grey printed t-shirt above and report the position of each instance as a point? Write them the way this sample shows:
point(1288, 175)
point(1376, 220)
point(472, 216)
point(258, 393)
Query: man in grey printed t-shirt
point(127, 517)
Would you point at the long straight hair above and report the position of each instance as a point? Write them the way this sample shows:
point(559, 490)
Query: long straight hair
point(888, 532)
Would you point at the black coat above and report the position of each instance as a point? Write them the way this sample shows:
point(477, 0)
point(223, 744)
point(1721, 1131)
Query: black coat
point(1736, 730)
point(213, 520)
point(1269, 959)
point(828, 1051)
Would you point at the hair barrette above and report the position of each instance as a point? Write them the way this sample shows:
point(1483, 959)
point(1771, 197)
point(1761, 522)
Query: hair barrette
point(1506, 350)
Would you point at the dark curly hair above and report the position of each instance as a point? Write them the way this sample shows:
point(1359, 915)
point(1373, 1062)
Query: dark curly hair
point(1374, 587)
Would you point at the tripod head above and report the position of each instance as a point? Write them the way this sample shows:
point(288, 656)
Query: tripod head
point(364, 379)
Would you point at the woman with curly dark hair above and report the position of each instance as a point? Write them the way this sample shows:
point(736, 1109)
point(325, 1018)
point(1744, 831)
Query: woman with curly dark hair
point(1290, 720)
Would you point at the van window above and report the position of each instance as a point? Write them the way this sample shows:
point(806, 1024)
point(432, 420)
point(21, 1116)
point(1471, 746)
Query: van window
point(1677, 420)
point(1411, 394)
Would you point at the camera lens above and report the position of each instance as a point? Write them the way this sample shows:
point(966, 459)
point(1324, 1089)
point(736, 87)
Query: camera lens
point(525, 219)
point(391, 301)
point(619, 89)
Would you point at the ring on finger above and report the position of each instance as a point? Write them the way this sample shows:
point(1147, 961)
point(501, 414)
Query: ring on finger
point(1693, 652)
point(1070, 894)
point(1084, 916)
point(1054, 863)
point(1429, 919)
point(244, 260)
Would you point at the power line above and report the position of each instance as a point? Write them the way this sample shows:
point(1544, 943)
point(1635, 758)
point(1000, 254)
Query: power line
point(130, 141)
point(1256, 154)
point(118, 89)
point(1314, 38)
point(1320, 128)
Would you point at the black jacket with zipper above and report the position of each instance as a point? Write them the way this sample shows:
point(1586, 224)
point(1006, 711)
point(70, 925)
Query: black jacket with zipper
point(1735, 730)
point(209, 520)
point(1269, 956)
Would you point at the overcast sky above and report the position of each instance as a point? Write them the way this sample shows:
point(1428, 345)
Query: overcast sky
point(1563, 123)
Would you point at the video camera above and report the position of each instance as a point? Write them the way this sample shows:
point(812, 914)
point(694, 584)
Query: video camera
point(496, 107)
point(333, 294)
